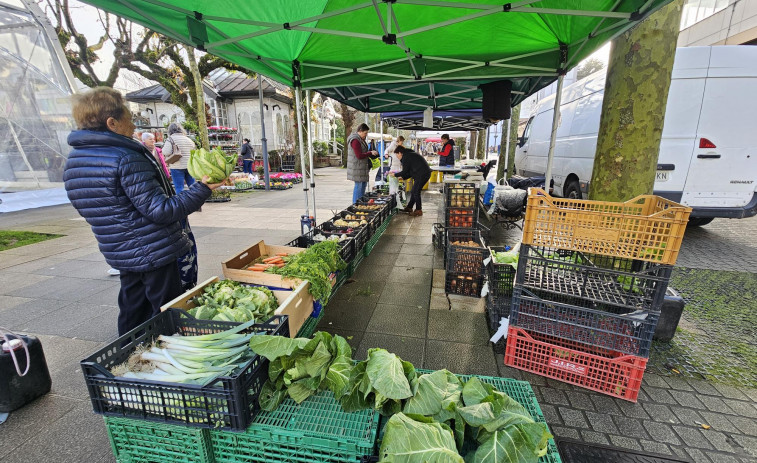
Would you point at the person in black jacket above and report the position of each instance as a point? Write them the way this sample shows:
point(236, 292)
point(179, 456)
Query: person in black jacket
point(413, 166)
point(116, 184)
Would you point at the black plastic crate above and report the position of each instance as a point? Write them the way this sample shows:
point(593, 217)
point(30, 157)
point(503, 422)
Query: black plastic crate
point(629, 332)
point(462, 258)
point(497, 308)
point(365, 232)
point(593, 281)
point(459, 217)
point(501, 276)
point(347, 249)
point(461, 195)
point(382, 210)
point(464, 284)
point(230, 405)
point(439, 236)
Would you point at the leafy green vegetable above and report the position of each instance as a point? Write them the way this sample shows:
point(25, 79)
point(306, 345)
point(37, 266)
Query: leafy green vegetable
point(407, 440)
point(508, 257)
point(231, 301)
point(315, 264)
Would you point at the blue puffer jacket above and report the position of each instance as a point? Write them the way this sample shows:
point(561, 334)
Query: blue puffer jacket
point(116, 185)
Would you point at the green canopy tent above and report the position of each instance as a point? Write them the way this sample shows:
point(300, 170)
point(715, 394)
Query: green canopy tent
point(394, 55)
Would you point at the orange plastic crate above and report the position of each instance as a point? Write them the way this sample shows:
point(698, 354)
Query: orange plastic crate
point(647, 227)
point(612, 373)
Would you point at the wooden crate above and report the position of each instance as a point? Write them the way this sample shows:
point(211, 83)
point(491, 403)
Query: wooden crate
point(297, 303)
point(235, 268)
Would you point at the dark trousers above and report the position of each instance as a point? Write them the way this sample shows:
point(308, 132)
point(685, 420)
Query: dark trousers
point(415, 193)
point(247, 166)
point(142, 294)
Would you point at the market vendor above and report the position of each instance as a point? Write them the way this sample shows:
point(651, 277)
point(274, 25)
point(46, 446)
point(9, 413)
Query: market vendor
point(359, 161)
point(119, 188)
point(447, 154)
point(413, 166)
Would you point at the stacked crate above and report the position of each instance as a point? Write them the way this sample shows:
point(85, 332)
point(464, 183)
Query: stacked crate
point(501, 279)
point(465, 265)
point(591, 280)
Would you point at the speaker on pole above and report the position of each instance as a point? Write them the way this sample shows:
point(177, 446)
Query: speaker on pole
point(495, 104)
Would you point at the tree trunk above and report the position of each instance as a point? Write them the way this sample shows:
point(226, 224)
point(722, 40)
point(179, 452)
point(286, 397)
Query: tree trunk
point(481, 148)
point(633, 110)
point(473, 144)
point(502, 170)
point(348, 118)
point(199, 98)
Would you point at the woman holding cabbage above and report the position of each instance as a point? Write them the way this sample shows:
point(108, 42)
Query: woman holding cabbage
point(119, 188)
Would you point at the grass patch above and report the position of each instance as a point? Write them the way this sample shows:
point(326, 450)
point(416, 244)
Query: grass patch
point(10, 239)
point(718, 341)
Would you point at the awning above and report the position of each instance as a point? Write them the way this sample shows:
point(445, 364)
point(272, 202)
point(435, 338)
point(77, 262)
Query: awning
point(383, 55)
point(459, 119)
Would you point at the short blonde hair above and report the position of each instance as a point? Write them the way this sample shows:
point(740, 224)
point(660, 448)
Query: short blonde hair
point(400, 138)
point(92, 108)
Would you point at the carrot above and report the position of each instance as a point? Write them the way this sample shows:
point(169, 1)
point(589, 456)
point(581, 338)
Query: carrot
point(282, 254)
point(280, 265)
point(270, 259)
point(257, 269)
point(278, 260)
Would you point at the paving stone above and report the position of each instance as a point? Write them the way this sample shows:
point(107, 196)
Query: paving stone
point(417, 249)
point(655, 447)
point(660, 395)
point(748, 443)
point(439, 302)
point(729, 391)
point(566, 433)
point(749, 392)
point(742, 408)
point(594, 437)
point(678, 384)
point(688, 415)
point(605, 404)
point(718, 457)
point(347, 314)
point(380, 258)
point(580, 400)
point(625, 442)
point(721, 441)
point(743, 425)
point(554, 396)
point(661, 432)
point(406, 295)
point(460, 358)
point(654, 381)
point(573, 418)
point(692, 437)
point(553, 383)
point(697, 456)
point(467, 304)
point(398, 320)
point(630, 427)
point(687, 399)
point(25, 423)
point(630, 409)
point(410, 275)
point(456, 326)
point(601, 422)
point(410, 349)
point(406, 260)
point(660, 413)
point(720, 421)
point(551, 414)
point(715, 404)
point(701, 386)
point(438, 278)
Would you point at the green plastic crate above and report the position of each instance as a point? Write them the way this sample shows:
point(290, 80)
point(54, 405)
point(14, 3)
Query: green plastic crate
point(138, 441)
point(356, 261)
point(379, 231)
point(317, 430)
point(308, 328)
point(522, 392)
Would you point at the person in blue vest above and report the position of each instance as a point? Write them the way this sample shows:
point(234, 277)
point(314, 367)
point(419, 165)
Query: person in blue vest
point(119, 188)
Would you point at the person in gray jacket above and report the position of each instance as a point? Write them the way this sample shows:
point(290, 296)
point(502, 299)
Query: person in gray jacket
point(359, 161)
point(178, 143)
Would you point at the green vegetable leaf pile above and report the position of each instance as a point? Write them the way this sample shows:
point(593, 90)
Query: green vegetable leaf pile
point(435, 417)
point(315, 264)
point(232, 301)
point(508, 257)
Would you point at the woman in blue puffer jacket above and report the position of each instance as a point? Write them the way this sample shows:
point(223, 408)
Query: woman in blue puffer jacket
point(122, 192)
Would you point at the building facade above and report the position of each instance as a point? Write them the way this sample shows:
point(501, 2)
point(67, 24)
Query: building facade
point(718, 22)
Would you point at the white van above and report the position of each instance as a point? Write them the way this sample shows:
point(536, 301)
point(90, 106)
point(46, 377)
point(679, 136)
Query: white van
point(708, 138)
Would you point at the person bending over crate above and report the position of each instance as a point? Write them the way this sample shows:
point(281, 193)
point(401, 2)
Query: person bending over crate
point(413, 166)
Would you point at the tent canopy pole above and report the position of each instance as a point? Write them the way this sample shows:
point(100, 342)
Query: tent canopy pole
point(310, 149)
point(298, 102)
point(553, 136)
point(263, 140)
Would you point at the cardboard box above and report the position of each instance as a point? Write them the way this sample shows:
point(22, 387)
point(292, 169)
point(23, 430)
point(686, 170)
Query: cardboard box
point(297, 303)
point(235, 268)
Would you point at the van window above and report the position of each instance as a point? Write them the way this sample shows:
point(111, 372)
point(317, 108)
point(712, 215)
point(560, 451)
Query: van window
point(527, 130)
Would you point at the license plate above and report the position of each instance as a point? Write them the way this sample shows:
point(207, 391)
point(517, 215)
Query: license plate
point(662, 176)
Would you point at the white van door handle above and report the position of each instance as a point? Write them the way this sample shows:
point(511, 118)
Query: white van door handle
point(708, 156)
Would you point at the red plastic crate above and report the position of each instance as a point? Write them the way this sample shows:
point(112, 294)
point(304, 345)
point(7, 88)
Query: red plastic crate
point(612, 373)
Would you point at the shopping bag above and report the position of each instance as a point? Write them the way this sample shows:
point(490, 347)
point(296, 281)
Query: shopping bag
point(394, 185)
point(375, 163)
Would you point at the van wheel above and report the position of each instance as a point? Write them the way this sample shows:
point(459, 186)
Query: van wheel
point(699, 221)
point(572, 190)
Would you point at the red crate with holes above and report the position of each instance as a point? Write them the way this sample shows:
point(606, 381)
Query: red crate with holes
point(609, 372)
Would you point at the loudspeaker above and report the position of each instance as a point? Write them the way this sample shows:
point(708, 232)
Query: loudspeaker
point(495, 104)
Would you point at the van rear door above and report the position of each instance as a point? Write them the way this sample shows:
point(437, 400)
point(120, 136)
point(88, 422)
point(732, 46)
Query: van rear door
point(723, 168)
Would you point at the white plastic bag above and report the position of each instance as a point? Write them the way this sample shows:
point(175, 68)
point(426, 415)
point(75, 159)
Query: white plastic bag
point(394, 185)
